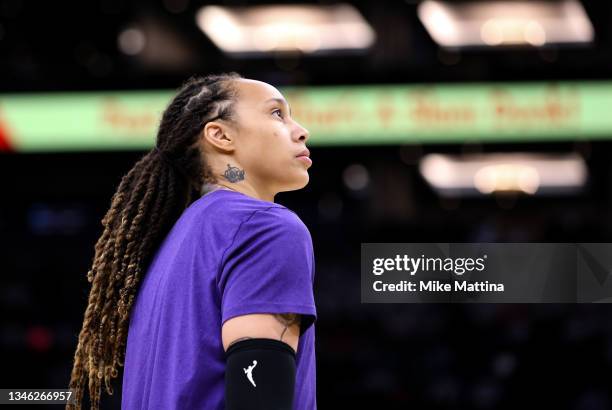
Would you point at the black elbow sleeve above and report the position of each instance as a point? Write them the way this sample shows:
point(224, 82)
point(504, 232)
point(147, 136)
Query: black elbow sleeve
point(259, 374)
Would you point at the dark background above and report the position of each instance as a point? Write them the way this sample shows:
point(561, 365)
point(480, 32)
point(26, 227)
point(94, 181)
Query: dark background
point(380, 356)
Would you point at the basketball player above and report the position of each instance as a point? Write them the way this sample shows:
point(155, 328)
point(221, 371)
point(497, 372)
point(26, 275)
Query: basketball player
point(202, 285)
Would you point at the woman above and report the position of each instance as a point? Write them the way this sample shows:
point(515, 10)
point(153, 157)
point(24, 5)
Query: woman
point(202, 285)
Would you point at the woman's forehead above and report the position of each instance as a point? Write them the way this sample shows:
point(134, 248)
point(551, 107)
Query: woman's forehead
point(256, 92)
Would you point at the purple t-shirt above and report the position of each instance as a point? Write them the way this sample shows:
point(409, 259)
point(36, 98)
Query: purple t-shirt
point(229, 254)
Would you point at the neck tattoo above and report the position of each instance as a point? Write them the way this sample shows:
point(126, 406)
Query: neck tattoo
point(233, 174)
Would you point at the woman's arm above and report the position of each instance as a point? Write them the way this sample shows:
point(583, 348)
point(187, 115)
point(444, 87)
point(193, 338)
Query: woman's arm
point(260, 361)
point(284, 327)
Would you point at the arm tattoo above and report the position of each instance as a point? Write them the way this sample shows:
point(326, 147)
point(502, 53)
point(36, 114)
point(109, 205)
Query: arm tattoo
point(233, 174)
point(287, 319)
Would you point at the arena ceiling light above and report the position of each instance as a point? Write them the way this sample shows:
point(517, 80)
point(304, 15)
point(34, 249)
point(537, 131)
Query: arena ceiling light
point(500, 23)
point(310, 28)
point(476, 174)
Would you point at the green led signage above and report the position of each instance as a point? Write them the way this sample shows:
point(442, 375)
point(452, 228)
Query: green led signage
point(339, 115)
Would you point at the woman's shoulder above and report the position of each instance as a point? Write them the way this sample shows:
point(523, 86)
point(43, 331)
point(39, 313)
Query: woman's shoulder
point(243, 209)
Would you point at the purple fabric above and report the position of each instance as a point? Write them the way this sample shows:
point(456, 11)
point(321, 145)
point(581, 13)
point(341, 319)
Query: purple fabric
point(228, 255)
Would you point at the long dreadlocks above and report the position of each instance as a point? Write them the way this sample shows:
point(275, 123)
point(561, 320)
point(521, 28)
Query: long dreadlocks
point(149, 200)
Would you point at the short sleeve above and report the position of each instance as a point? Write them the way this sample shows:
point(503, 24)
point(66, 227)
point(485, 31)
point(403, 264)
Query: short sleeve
point(269, 268)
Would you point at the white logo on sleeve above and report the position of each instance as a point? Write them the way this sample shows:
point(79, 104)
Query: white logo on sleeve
point(249, 372)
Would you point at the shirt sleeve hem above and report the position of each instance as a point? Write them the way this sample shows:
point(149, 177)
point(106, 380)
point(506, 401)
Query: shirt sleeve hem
point(267, 307)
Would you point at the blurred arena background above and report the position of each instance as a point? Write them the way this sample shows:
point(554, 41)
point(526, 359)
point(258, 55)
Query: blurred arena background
point(431, 121)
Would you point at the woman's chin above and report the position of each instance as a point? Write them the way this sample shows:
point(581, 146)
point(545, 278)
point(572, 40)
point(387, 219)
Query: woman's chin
point(298, 183)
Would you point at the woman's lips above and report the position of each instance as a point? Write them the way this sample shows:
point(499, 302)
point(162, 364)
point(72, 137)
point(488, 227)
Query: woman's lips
point(305, 159)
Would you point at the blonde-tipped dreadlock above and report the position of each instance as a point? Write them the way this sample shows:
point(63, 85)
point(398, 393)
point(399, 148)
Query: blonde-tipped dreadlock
point(149, 200)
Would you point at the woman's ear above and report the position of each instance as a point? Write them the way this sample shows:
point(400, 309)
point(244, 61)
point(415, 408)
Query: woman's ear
point(218, 135)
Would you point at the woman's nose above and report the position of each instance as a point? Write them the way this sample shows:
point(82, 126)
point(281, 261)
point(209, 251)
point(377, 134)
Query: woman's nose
point(302, 133)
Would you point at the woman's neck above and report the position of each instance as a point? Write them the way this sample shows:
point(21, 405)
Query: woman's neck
point(209, 187)
point(213, 187)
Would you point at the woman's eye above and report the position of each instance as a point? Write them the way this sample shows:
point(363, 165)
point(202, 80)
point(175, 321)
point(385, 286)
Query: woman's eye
point(280, 113)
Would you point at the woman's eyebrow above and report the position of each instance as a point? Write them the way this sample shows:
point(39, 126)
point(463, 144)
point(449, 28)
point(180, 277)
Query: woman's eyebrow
point(280, 101)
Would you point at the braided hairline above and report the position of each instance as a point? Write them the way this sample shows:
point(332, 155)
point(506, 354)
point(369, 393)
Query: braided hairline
point(221, 108)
